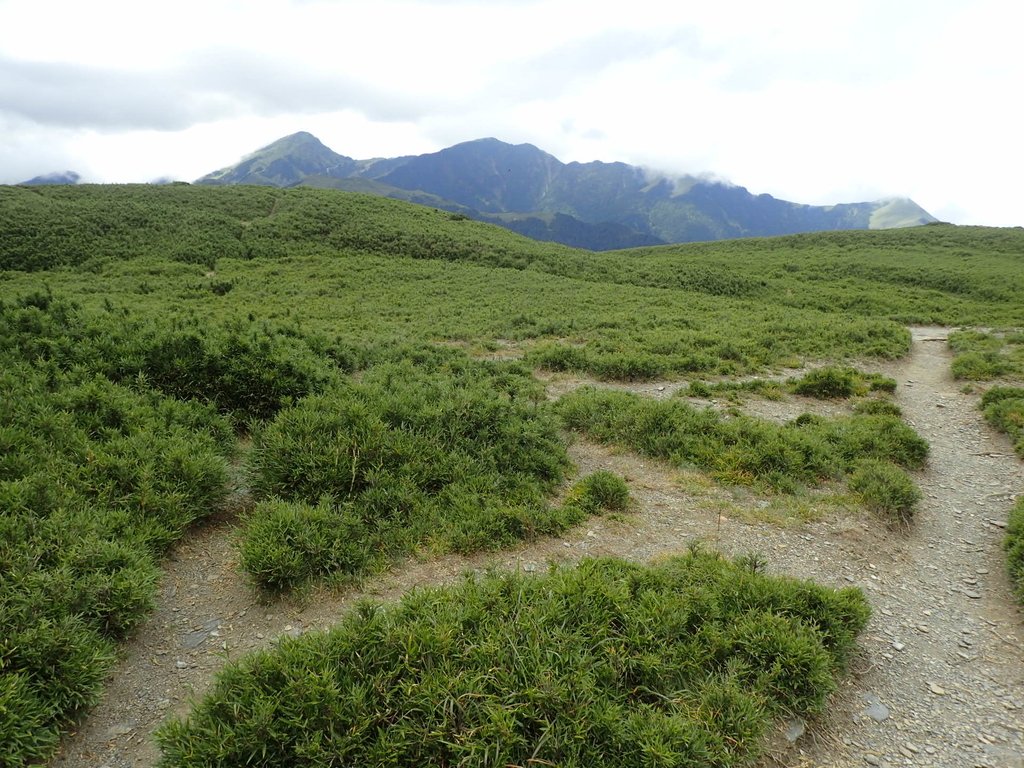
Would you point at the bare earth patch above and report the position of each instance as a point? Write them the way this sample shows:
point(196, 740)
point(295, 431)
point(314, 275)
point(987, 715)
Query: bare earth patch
point(940, 678)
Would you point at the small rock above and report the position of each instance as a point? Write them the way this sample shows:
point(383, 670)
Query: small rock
point(937, 689)
point(872, 759)
point(876, 710)
point(795, 728)
point(898, 645)
point(120, 730)
point(971, 594)
point(181, 664)
point(998, 523)
point(912, 747)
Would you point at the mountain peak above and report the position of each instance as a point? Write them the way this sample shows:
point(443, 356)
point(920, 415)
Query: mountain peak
point(285, 163)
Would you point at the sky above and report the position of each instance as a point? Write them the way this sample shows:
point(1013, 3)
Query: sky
point(814, 102)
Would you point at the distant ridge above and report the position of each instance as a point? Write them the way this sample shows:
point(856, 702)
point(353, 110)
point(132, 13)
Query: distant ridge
point(57, 177)
point(594, 205)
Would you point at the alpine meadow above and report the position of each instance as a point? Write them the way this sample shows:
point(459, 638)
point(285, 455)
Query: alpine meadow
point(354, 382)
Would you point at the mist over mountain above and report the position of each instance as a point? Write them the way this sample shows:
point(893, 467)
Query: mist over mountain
point(57, 177)
point(594, 205)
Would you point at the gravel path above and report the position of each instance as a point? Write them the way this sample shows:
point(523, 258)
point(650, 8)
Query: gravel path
point(939, 680)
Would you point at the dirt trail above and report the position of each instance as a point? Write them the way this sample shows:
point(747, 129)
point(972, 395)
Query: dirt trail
point(940, 679)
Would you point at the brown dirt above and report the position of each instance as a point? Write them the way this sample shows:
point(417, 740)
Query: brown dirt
point(943, 652)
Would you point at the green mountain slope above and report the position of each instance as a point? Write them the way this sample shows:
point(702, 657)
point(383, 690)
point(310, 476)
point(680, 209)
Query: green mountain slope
point(596, 205)
point(285, 163)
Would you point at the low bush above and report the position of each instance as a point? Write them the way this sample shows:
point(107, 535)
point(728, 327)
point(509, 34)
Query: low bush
point(827, 383)
point(741, 449)
point(614, 664)
point(833, 382)
point(877, 407)
point(766, 388)
point(449, 454)
point(600, 491)
point(987, 355)
point(1004, 409)
point(1014, 544)
point(886, 489)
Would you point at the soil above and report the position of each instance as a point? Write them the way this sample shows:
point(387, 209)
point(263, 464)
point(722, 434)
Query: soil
point(939, 677)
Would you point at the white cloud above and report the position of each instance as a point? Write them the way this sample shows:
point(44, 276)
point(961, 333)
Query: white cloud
point(804, 100)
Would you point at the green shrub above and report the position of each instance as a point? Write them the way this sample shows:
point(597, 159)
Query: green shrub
point(614, 664)
point(289, 542)
point(600, 491)
point(741, 449)
point(1014, 545)
point(827, 383)
point(1004, 409)
point(446, 453)
point(886, 489)
point(834, 382)
point(876, 407)
point(979, 366)
point(986, 355)
point(697, 389)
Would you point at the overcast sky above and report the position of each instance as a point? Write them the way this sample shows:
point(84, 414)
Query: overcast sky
point(815, 102)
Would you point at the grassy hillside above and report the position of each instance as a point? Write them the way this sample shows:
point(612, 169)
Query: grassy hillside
point(385, 269)
point(144, 329)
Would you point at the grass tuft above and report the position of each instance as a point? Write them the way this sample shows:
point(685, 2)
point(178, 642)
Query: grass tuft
point(1014, 544)
point(886, 489)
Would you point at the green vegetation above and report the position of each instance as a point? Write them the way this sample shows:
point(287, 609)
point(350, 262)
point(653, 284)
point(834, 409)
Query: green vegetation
point(1004, 409)
point(742, 449)
point(1015, 546)
point(612, 664)
point(156, 325)
point(727, 307)
point(886, 489)
point(987, 355)
point(97, 479)
point(830, 382)
point(453, 453)
point(834, 382)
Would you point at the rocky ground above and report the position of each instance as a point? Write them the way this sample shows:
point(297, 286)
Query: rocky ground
point(939, 680)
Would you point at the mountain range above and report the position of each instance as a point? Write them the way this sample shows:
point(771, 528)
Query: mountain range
point(595, 205)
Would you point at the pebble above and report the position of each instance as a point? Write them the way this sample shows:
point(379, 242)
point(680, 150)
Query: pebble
point(181, 664)
point(937, 689)
point(971, 594)
point(876, 710)
point(898, 645)
point(872, 759)
point(795, 729)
